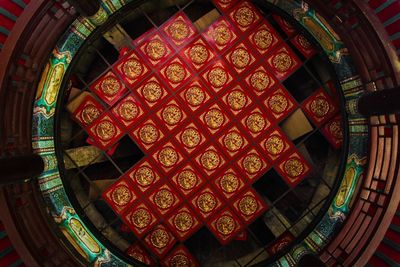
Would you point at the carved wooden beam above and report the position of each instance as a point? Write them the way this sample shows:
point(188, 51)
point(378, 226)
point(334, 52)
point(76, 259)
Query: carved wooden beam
point(86, 8)
point(380, 102)
point(20, 169)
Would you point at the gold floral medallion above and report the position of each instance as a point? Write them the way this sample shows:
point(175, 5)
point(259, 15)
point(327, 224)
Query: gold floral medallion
point(244, 16)
point(233, 141)
point(293, 167)
point(304, 42)
point(148, 134)
point(274, 145)
point(263, 39)
point(156, 49)
point(168, 157)
point(206, 202)
point(179, 260)
point(128, 111)
point(178, 30)
point(260, 81)
point(237, 100)
point(183, 221)
point(121, 195)
point(89, 114)
point(187, 179)
point(175, 72)
point(282, 62)
point(132, 68)
point(255, 122)
point(195, 96)
point(141, 218)
point(240, 58)
point(214, 118)
point(217, 77)
point(137, 256)
point(105, 130)
point(229, 183)
point(191, 138)
point(210, 160)
point(252, 164)
point(152, 91)
point(159, 238)
point(278, 103)
point(319, 107)
point(164, 199)
point(225, 225)
point(110, 86)
point(336, 130)
point(198, 54)
point(172, 114)
point(248, 205)
point(144, 176)
point(222, 35)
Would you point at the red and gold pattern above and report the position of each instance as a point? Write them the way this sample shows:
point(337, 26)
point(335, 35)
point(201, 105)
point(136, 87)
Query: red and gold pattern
point(183, 223)
point(225, 226)
point(195, 95)
point(138, 253)
point(248, 206)
point(279, 103)
point(120, 196)
point(214, 118)
point(264, 38)
point(164, 199)
point(89, 110)
point(319, 107)
point(217, 76)
point(240, 57)
point(140, 218)
point(128, 111)
point(175, 73)
point(191, 138)
point(179, 29)
point(179, 257)
point(152, 91)
point(233, 141)
point(109, 88)
point(160, 240)
point(275, 144)
point(229, 183)
point(252, 165)
point(260, 80)
point(143, 175)
point(168, 157)
point(221, 34)
point(105, 131)
point(198, 53)
point(187, 180)
point(285, 25)
point(224, 5)
point(132, 69)
point(236, 99)
point(206, 202)
point(147, 134)
point(333, 131)
point(171, 115)
point(155, 49)
point(283, 62)
point(283, 241)
point(210, 160)
point(244, 16)
point(303, 45)
point(293, 168)
point(255, 122)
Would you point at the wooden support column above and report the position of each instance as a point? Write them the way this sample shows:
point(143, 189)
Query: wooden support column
point(86, 8)
point(20, 169)
point(380, 102)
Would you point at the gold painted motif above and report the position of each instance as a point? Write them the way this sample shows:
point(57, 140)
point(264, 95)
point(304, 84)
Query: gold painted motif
point(233, 141)
point(144, 176)
point(195, 96)
point(178, 30)
point(198, 54)
point(263, 39)
point(159, 238)
point(345, 187)
point(248, 205)
point(175, 72)
point(132, 68)
point(90, 113)
point(152, 91)
point(164, 199)
point(293, 167)
point(187, 179)
point(121, 195)
point(148, 134)
point(240, 58)
point(225, 225)
point(141, 218)
point(335, 128)
point(304, 42)
point(252, 164)
point(191, 138)
point(172, 114)
point(210, 160)
point(168, 157)
point(183, 221)
point(237, 100)
point(156, 49)
point(83, 235)
point(179, 260)
point(214, 118)
point(319, 107)
point(137, 256)
point(255, 122)
point(54, 82)
point(260, 81)
point(217, 77)
point(229, 183)
point(105, 130)
point(128, 111)
point(206, 202)
point(278, 103)
point(222, 35)
point(274, 145)
point(282, 62)
point(110, 86)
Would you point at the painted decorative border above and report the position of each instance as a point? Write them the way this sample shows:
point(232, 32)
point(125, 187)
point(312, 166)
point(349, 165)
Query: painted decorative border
point(43, 143)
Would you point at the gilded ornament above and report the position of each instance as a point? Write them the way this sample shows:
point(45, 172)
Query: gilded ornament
point(144, 176)
point(137, 256)
point(156, 49)
point(293, 167)
point(179, 260)
point(336, 130)
point(105, 130)
point(195, 96)
point(183, 221)
point(89, 114)
point(229, 183)
point(187, 179)
point(148, 134)
point(128, 111)
point(233, 141)
point(244, 16)
point(225, 225)
point(252, 164)
point(152, 91)
point(240, 58)
point(110, 86)
point(237, 100)
point(319, 107)
point(121, 195)
point(178, 30)
point(274, 145)
point(278, 103)
point(191, 137)
point(217, 77)
point(164, 199)
point(260, 81)
point(248, 205)
point(206, 202)
point(172, 114)
point(214, 118)
point(304, 42)
point(141, 218)
point(222, 35)
point(210, 160)
point(263, 39)
point(159, 238)
point(282, 62)
point(168, 157)
point(175, 72)
point(255, 122)
point(132, 68)
point(199, 54)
